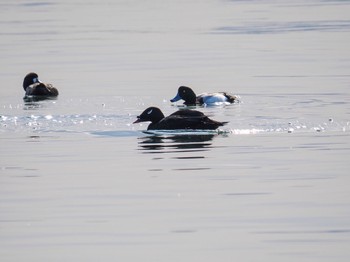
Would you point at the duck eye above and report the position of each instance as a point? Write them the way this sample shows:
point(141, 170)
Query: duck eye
point(149, 112)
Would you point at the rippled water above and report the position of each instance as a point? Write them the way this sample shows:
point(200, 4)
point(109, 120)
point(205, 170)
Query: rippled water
point(80, 182)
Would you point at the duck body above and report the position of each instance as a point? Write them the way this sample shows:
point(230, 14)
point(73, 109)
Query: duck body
point(182, 119)
point(34, 87)
point(189, 96)
point(214, 98)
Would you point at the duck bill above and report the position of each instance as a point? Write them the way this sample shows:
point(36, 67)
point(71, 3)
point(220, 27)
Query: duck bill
point(36, 80)
point(137, 121)
point(176, 98)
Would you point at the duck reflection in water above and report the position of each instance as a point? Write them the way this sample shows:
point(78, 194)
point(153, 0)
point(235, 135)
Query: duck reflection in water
point(34, 103)
point(171, 144)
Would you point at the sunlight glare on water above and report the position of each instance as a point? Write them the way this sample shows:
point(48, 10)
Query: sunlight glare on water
point(81, 182)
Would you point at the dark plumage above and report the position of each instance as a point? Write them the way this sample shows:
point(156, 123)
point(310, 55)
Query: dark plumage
point(33, 87)
point(182, 119)
point(187, 94)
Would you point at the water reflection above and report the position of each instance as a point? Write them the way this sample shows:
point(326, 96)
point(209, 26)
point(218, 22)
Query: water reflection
point(35, 102)
point(30, 99)
point(176, 143)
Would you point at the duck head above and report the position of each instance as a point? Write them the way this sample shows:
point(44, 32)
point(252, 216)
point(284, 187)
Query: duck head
point(30, 78)
point(152, 114)
point(185, 93)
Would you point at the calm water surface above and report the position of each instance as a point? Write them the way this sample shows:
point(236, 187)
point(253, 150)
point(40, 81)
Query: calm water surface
point(80, 182)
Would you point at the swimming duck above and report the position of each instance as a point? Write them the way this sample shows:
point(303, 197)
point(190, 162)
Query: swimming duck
point(182, 119)
point(33, 87)
point(190, 97)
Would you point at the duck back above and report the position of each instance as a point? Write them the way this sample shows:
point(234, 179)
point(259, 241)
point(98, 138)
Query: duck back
point(186, 119)
point(41, 89)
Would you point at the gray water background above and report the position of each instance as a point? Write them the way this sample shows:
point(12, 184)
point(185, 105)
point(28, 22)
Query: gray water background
point(79, 182)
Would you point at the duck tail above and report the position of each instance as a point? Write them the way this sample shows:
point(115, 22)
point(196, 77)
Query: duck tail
point(231, 98)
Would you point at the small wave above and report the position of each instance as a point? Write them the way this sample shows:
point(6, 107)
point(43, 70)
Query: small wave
point(246, 131)
point(117, 133)
point(186, 132)
point(285, 27)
